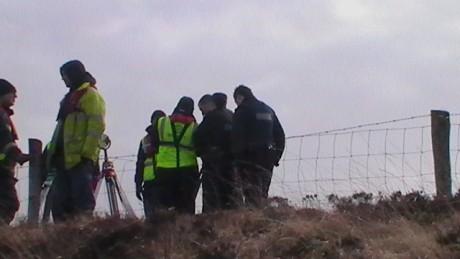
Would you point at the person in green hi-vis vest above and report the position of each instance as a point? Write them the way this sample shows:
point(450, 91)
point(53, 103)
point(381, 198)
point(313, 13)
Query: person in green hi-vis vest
point(176, 170)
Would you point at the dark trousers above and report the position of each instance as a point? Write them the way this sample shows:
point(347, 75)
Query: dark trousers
point(177, 188)
point(151, 201)
point(73, 193)
point(9, 203)
point(255, 172)
point(218, 182)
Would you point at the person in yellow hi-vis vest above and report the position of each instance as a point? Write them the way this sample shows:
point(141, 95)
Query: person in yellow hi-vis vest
point(146, 189)
point(176, 163)
point(74, 148)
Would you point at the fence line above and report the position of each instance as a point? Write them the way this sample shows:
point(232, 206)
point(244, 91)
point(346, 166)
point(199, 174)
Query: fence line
point(381, 157)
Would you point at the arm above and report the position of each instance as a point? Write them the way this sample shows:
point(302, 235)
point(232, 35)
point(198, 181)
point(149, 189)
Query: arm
point(279, 138)
point(239, 132)
point(199, 137)
point(93, 107)
point(141, 157)
point(9, 151)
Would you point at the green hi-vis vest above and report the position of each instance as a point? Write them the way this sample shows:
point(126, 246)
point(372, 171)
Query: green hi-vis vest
point(176, 148)
point(149, 163)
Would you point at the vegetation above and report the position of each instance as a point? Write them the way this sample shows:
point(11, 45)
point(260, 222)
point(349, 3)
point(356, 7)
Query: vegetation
point(360, 226)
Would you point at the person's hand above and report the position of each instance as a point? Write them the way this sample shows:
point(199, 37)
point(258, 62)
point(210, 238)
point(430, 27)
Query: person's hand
point(23, 158)
point(139, 192)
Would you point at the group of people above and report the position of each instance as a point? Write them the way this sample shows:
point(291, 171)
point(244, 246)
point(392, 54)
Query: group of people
point(238, 152)
point(72, 153)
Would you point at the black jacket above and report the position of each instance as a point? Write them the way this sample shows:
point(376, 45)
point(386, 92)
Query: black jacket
point(141, 157)
point(256, 127)
point(8, 137)
point(212, 138)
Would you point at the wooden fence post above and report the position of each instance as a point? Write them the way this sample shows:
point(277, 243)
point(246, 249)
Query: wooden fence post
point(35, 151)
point(440, 132)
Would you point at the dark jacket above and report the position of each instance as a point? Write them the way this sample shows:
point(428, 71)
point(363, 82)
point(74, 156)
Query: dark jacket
point(212, 138)
point(256, 127)
point(8, 137)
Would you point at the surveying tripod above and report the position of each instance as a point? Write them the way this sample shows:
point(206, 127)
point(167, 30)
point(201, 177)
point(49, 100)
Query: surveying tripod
point(114, 190)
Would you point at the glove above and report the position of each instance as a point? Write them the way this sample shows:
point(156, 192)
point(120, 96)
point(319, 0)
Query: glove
point(23, 158)
point(139, 192)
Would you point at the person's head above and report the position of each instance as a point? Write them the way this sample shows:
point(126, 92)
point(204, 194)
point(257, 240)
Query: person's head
point(185, 106)
point(220, 99)
point(73, 73)
point(206, 104)
point(7, 94)
point(241, 93)
point(156, 115)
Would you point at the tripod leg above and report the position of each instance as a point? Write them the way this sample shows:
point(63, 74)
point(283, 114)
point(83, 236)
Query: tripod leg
point(124, 200)
point(45, 200)
point(112, 196)
point(48, 205)
point(97, 188)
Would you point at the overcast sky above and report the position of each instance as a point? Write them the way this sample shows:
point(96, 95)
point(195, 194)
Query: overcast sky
point(320, 65)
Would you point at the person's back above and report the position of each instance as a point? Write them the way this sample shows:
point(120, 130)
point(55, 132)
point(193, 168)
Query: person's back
point(256, 130)
point(253, 122)
point(213, 135)
point(176, 163)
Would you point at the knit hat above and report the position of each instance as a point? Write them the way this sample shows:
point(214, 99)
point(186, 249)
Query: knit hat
point(185, 106)
point(6, 87)
point(156, 115)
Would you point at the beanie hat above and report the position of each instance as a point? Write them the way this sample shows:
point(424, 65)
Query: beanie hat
point(185, 106)
point(6, 87)
point(74, 70)
point(156, 115)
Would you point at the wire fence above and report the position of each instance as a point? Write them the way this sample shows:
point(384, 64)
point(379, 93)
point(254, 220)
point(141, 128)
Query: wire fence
point(379, 158)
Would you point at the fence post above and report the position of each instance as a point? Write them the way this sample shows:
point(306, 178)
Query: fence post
point(35, 151)
point(440, 132)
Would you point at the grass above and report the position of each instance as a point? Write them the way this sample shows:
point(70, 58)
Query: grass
point(399, 226)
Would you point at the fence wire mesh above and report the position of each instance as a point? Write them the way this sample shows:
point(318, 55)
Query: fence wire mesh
point(379, 158)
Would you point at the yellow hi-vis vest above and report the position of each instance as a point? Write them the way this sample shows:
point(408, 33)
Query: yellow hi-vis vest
point(176, 148)
point(83, 128)
point(149, 163)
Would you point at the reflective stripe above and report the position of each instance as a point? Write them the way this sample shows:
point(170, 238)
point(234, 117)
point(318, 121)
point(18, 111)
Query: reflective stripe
point(264, 116)
point(149, 169)
point(2, 156)
point(96, 117)
point(94, 135)
point(149, 163)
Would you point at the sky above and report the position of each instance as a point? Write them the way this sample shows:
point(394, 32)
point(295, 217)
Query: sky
point(317, 63)
point(320, 65)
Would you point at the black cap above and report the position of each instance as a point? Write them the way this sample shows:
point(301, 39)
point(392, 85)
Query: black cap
point(6, 87)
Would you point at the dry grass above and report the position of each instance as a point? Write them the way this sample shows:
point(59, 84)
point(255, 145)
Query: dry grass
point(408, 227)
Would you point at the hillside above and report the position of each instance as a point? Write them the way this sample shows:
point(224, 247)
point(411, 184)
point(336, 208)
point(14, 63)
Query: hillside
point(410, 226)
